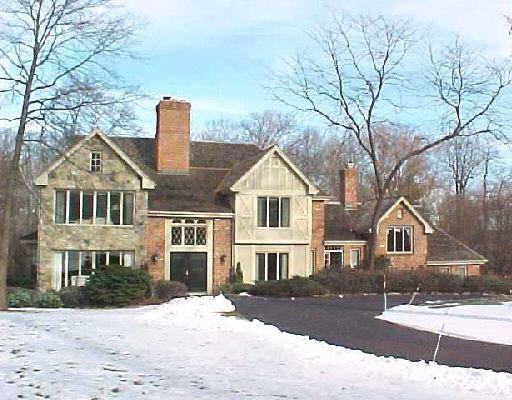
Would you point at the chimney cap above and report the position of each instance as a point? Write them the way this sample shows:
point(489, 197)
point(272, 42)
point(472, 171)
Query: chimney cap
point(351, 165)
point(167, 98)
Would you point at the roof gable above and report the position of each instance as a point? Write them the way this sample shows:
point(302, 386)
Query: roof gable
point(402, 200)
point(147, 182)
point(243, 169)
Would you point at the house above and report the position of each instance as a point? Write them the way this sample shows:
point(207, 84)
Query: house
point(191, 211)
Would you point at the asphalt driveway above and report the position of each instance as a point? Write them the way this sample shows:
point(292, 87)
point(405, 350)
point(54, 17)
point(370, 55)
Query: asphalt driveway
point(350, 322)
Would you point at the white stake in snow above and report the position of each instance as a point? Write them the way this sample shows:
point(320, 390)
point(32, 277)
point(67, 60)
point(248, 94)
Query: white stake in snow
point(439, 337)
point(414, 295)
point(385, 297)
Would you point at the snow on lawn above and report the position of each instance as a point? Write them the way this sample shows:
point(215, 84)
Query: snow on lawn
point(485, 322)
point(190, 348)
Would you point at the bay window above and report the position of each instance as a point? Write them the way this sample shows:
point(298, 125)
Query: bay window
point(271, 266)
point(399, 239)
point(98, 208)
point(273, 212)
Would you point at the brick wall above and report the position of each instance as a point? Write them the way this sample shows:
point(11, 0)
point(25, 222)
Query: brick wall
point(154, 242)
point(317, 235)
point(222, 245)
point(348, 187)
point(420, 240)
point(172, 140)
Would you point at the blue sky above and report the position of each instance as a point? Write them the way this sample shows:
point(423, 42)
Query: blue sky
point(218, 54)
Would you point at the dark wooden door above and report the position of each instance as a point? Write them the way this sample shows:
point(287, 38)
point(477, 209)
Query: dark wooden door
point(190, 269)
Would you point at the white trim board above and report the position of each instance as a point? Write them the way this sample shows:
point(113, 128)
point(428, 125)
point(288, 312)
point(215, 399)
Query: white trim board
point(427, 228)
point(455, 263)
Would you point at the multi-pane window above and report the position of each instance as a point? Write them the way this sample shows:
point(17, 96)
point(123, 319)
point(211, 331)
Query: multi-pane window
point(188, 232)
point(95, 161)
point(355, 258)
point(274, 212)
point(98, 208)
point(333, 256)
point(399, 239)
point(271, 266)
point(76, 266)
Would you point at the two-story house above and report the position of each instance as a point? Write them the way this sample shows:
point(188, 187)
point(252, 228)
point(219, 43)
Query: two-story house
point(191, 211)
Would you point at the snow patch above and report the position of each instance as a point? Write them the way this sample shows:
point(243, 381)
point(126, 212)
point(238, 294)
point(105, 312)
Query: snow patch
point(484, 322)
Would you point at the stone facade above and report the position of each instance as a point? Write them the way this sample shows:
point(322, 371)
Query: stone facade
point(317, 234)
point(73, 173)
point(418, 257)
point(222, 251)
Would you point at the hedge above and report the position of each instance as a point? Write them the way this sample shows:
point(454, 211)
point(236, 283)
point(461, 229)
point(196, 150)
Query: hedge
point(294, 287)
point(359, 281)
point(167, 290)
point(21, 297)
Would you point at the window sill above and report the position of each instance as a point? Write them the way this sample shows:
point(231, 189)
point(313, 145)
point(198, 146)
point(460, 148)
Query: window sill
point(400, 253)
point(96, 225)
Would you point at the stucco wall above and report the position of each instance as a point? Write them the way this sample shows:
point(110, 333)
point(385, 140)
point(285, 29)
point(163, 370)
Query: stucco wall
point(73, 174)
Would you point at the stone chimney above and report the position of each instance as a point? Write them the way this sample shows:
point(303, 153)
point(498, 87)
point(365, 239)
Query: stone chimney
point(172, 139)
point(349, 186)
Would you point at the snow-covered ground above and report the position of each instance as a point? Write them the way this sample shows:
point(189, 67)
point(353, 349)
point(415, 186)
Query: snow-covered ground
point(485, 321)
point(186, 349)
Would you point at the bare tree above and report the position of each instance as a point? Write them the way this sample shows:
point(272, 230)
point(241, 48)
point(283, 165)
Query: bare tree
point(355, 83)
point(51, 50)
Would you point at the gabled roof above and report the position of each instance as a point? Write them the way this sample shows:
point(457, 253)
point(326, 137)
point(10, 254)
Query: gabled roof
point(245, 167)
point(443, 248)
point(147, 183)
point(364, 213)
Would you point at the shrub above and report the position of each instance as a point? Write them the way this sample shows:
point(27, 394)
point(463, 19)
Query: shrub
point(349, 281)
point(239, 275)
point(401, 281)
point(294, 287)
point(236, 288)
point(47, 300)
point(167, 290)
point(486, 283)
point(115, 285)
point(19, 297)
point(73, 297)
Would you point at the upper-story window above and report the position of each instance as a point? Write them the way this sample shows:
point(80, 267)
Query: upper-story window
point(274, 212)
point(95, 161)
point(96, 208)
point(399, 239)
point(188, 232)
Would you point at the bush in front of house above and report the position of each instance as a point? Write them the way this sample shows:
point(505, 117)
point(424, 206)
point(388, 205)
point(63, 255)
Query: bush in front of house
point(47, 300)
point(115, 285)
point(487, 284)
point(294, 287)
point(347, 280)
point(20, 297)
point(235, 288)
point(73, 297)
point(167, 290)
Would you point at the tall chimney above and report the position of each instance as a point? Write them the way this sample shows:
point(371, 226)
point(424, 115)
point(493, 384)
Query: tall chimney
point(172, 139)
point(349, 186)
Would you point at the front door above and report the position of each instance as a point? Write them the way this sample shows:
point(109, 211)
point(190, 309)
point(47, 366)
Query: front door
point(190, 269)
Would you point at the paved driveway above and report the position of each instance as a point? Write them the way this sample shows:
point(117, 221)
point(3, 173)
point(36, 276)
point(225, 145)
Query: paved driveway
point(350, 322)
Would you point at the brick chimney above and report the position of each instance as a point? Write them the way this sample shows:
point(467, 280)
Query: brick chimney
point(349, 186)
point(172, 139)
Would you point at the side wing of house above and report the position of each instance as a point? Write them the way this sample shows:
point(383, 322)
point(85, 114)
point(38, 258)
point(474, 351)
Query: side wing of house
point(92, 210)
point(403, 236)
point(274, 220)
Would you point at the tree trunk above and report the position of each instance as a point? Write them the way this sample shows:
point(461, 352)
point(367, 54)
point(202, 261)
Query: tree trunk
point(373, 239)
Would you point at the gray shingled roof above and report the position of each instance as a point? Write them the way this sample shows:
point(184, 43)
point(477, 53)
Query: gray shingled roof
point(444, 247)
point(339, 223)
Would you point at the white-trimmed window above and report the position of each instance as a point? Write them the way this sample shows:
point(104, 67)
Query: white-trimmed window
point(188, 232)
point(97, 208)
point(95, 161)
point(333, 256)
point(399, 239)
point(273, 212)
point(355, 258)
point(77, 266)
point(271, 266)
